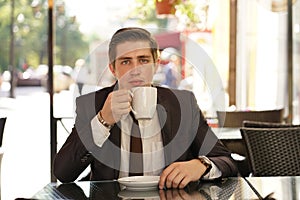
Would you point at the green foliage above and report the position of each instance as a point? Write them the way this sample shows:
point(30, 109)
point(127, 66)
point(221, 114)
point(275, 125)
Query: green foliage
point(31, 35)
point(4, 35)
point(193, 15)
point(70, 44)
point(187, 12)
point(145, 13)
point(188, 8)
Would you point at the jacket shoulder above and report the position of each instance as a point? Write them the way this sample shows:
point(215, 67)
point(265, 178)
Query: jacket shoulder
point(167, 91)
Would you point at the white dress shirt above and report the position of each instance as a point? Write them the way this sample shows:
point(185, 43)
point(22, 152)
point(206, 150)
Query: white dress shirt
point(153, 152)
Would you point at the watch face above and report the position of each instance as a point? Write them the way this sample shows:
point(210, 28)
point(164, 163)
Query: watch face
point(205, 161)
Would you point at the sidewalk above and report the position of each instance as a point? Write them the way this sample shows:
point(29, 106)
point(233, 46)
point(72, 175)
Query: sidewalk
point(26, 141)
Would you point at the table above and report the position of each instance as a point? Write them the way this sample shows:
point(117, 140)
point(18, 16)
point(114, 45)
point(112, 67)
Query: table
point(230, 188)
point(225, 133)
point(284, 187)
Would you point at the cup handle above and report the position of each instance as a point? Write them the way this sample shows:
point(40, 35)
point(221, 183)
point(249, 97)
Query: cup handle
point(134, 112)
point(131, 94)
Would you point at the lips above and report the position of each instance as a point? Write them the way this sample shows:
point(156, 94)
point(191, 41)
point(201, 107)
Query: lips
point(136, 82)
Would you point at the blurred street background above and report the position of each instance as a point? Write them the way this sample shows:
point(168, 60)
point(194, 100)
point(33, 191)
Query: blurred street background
point(26, 143)
point(242, 42)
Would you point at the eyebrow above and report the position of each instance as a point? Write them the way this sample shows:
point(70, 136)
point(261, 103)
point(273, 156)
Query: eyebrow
point(128, 58)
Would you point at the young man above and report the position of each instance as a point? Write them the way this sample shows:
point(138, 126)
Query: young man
point(182, 148)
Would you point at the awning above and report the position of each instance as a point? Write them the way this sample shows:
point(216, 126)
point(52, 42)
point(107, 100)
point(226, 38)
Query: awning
point(168, 39)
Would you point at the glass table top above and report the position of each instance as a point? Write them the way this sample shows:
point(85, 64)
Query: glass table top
point(230, 188)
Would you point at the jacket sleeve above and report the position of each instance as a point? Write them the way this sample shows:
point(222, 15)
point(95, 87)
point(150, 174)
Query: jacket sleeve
point(74, 156)
point(72, 159)
point(77, 152)
point(207, 144)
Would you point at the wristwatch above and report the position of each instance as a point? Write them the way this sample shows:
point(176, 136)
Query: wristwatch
point(206, 162)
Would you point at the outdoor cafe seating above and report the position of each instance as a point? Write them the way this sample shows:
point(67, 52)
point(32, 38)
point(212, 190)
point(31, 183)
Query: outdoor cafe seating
point(266, 127)
point(2, 125)
point(257, 124)
point(235, 120)
point(273, 151)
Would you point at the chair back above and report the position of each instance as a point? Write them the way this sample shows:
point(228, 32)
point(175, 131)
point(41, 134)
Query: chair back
point(273, 151)
point(236, 118)
point(256, 124)
point(2, 124)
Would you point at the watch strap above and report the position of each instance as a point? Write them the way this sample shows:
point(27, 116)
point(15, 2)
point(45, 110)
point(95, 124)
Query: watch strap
point(207, 163)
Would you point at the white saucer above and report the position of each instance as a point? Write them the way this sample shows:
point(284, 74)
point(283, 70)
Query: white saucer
point(140, 183)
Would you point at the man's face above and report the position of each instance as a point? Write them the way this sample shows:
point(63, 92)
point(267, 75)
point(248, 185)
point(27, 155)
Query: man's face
point(134, 64)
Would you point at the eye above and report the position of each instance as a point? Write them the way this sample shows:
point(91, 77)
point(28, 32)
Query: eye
point(125, 62)
point(144, 61)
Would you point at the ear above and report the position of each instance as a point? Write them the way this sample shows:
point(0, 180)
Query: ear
point(156, 65)
point(112, 69)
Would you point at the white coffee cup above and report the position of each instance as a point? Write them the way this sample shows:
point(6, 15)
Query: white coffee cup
point(144, 100)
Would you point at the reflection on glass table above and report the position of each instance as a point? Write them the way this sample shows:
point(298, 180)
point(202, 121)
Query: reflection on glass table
point(231, 188)
point(280, 187)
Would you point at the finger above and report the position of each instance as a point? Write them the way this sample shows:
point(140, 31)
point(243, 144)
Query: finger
point(171, 178)
point(121, 97)
point(122, 106)
point(161, 183)
point(163, 176)
point(121, 103)
point(118, 113)
point(177, 180)
point(184, 182)
point(162, 179)
point(122, 92)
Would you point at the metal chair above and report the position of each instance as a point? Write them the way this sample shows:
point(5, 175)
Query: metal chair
point(258, 124)
point(2, 124)
point(236, 118)
point(273, 151)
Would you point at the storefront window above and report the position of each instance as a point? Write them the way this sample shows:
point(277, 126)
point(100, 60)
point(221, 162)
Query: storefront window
point(262, 56)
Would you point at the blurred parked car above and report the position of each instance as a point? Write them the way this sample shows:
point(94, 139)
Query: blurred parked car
point(29, 78)
point(62, 78)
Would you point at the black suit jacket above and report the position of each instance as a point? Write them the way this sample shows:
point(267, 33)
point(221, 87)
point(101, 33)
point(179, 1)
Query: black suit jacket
point(185, 135)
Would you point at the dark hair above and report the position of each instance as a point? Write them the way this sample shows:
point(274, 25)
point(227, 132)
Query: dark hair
point(131, 34)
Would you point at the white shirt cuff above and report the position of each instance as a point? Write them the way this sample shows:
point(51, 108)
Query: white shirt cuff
point(99, 131)
point(213, 173)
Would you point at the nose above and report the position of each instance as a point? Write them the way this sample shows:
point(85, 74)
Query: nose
point(135, 69)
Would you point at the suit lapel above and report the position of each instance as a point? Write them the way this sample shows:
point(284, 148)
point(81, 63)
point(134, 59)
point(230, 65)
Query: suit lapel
point(164, 113)
point(168, 110)
point(115, 138)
